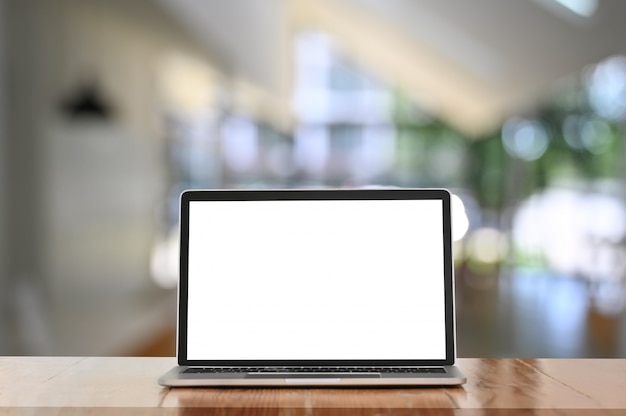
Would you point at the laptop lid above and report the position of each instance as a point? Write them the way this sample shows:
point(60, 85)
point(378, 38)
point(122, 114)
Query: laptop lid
point(316, 277)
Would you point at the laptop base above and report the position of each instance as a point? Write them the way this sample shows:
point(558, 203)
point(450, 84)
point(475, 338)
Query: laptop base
point(177, 377)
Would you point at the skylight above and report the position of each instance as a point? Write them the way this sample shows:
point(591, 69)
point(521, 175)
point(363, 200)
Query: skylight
point(583, 8)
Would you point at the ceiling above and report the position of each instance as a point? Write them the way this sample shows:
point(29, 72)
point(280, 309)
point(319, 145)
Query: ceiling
point(473, 63)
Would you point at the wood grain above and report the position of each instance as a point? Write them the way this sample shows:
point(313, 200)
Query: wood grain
point(516, 384)
point(602, 381)
point(107, 386)
point(87, 382)
point(311, 398)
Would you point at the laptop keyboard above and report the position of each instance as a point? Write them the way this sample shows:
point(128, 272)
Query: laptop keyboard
point(293, 370)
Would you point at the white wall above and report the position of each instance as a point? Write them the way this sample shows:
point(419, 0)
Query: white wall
point(84, 194)
point(97, 184)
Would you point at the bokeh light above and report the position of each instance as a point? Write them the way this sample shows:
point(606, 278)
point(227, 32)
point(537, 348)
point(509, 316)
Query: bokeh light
point(525, 139)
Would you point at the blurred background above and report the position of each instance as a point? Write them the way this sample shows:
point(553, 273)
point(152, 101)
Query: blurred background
point(109, 108)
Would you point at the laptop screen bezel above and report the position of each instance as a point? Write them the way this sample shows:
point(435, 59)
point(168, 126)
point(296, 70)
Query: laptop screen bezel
point(442, 195)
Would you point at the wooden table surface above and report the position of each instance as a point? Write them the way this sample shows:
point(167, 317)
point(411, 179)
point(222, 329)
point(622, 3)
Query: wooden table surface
point(70, 385)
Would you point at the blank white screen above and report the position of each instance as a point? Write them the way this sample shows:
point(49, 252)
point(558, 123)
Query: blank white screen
point(316, 280)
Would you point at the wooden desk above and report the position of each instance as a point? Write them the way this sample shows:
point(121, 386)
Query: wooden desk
point(111, 386)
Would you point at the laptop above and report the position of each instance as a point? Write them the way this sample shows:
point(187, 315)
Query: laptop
point(347, 287)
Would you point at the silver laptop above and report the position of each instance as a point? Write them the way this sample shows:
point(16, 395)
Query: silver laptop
point(315, 287)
